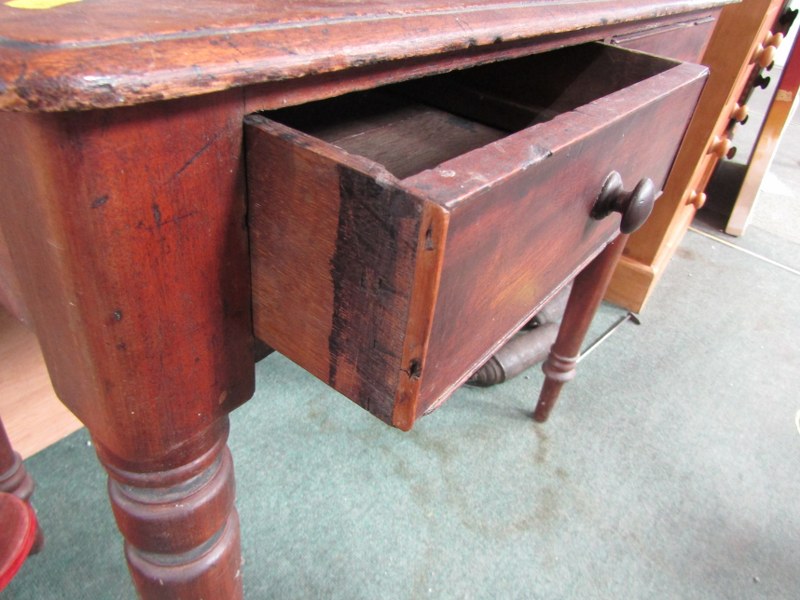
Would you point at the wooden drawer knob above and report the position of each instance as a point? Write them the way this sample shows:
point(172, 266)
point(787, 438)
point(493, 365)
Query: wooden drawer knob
point(764, 56)
point(698, 199)
point(722, 147)
point(740, 113)
point(773, 39)
point(634, 206)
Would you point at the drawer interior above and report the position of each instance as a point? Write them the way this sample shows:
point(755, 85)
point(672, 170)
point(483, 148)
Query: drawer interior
point(417, 125)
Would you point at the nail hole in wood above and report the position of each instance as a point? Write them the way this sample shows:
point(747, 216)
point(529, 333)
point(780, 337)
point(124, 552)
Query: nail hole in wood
point(414, 369)
point(429, 238)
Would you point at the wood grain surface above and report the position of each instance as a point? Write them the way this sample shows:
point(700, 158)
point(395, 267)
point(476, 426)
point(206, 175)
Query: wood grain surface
point(102, 54)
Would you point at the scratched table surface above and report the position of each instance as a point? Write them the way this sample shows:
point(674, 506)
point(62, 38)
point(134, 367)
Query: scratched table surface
point(77, 54)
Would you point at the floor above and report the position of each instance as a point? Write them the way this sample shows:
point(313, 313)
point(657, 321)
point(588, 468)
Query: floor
point(668, 470)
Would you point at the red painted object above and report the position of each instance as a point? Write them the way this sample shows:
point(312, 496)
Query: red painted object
point(16, 535)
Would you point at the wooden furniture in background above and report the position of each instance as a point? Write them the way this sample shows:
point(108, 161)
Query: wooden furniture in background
point(780, 112)
point(685, 40)
point(123, 210)
point(740, 46)
point(20, 534)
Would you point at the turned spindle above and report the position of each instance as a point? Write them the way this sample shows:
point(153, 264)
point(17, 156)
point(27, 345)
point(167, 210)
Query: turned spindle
point(698, 199)
point(740, 113)
point(722, 147)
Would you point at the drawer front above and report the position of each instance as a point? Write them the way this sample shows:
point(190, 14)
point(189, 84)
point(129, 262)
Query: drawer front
point(512, 244)
point(398, 241)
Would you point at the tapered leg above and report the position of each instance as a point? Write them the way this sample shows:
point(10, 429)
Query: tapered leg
point(127, 231)
point(587, 294)
point(14, 479)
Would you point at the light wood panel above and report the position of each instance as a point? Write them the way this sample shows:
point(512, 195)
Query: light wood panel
point(32, 414)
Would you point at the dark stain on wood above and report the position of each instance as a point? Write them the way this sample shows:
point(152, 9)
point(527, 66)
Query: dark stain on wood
point(415, 369)
point(368, 248)
point(429, 239)
point(156, 214)
point(98, 202)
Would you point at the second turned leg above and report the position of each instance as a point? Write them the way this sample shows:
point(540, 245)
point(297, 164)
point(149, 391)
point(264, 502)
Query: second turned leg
point(587, 293)
point(14, 479)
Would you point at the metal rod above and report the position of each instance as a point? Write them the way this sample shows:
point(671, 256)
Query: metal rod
point(628, 317)
point(745, 251)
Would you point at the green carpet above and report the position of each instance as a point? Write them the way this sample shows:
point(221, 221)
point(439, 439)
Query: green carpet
point(668, 470)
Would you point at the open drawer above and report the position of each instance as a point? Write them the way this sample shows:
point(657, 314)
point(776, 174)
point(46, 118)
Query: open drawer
point(399, 236)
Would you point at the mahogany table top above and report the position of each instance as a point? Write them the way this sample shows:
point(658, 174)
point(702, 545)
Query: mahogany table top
point(79, 54)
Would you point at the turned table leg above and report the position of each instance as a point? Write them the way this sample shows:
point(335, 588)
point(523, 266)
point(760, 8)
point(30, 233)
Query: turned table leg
point(179, 522)
point(127, 230)
point(14, 479)
point(584, 299)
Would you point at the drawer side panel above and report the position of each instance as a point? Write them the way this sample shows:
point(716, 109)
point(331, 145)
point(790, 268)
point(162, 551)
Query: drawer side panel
point(334, 244)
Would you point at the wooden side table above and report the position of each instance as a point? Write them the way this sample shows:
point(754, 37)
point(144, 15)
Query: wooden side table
point(124, 211)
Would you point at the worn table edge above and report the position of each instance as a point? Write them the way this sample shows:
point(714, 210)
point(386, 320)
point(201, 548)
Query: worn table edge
point(38, 77)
